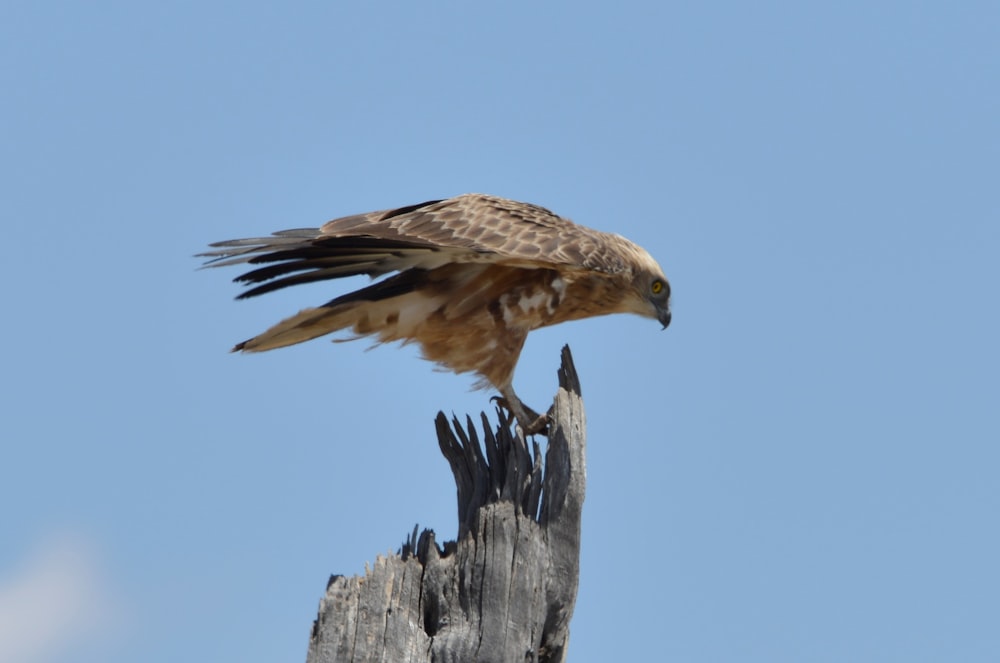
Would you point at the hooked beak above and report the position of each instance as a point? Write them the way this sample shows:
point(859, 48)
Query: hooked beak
point(663, 315)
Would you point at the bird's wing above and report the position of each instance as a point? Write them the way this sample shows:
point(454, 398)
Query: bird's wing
point(467, 228)
point(508, 229)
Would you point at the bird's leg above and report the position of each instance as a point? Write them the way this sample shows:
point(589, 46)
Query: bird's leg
point(531, 422)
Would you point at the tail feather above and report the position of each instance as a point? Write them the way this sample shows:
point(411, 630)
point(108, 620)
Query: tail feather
point(305, 325)
point(355, 310)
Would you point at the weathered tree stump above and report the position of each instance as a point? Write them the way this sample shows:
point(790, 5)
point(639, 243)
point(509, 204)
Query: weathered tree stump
point(505, 590)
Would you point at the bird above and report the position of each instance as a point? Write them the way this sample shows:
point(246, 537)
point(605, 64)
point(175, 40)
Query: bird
point(467, 278)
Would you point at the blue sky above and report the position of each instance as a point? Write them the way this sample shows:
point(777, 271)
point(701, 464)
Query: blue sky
point(802, 468)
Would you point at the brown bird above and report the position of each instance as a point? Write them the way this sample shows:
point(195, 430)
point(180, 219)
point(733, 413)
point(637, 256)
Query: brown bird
point(473, 275)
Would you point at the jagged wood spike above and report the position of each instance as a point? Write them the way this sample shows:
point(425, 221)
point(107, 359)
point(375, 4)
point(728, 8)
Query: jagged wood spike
point(505, 591)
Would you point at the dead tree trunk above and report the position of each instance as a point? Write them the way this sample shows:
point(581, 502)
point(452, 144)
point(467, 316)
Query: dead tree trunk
point(505, 590)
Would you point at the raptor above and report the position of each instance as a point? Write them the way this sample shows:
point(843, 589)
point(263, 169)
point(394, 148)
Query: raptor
point(467, 278)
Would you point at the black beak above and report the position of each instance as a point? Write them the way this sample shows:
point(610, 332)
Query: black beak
point(664, 318)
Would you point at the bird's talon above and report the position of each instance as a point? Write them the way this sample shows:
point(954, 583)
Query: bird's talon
point(505, 409)
point(539, 426)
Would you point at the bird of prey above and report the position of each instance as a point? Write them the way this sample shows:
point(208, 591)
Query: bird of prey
point(470, 277)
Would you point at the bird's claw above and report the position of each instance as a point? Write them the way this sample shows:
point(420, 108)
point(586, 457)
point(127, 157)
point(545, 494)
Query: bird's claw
point(540, 426)
point(532, 423)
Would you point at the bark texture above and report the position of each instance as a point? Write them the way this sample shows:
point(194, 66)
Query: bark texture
point(505, 591)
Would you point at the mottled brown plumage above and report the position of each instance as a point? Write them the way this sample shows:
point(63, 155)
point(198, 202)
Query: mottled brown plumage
point(471, 276)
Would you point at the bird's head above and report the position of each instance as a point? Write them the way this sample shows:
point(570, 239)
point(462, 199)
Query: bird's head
point(651, 288)
point(657, 296)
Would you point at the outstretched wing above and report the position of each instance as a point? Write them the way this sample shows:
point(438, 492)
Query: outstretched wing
point(467, 228)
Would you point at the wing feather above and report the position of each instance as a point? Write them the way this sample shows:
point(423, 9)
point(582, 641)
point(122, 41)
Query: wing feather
point(466, 228)
point(507, 229)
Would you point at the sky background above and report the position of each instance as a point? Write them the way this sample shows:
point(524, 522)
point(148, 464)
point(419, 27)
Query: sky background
point(804, 467)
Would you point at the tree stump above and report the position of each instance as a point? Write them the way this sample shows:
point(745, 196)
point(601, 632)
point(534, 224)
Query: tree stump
point(505, 590)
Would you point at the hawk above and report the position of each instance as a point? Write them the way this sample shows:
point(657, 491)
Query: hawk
point(470, 277)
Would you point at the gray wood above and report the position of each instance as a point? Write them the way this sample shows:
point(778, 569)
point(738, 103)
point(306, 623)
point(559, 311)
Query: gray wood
point(505, 590)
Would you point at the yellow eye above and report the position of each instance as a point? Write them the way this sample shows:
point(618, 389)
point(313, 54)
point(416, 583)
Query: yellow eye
point(657, 287)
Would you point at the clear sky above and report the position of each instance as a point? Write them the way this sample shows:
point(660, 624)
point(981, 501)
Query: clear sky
point(804, 467)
